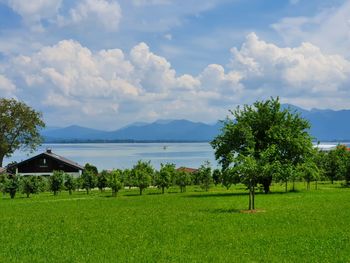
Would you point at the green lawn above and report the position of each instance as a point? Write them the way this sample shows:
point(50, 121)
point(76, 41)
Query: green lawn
point(305, 226)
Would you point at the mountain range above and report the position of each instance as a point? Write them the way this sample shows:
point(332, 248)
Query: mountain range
point(326, 125)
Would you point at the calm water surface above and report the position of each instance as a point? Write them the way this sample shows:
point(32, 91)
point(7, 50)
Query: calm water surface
point(125, 155)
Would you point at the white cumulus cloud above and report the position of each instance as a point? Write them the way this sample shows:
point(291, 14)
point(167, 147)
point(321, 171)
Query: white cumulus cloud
point(107, 13)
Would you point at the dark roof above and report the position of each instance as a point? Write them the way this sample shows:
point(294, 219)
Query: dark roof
point(187, 169)
point(2, 170)
point(49, 153)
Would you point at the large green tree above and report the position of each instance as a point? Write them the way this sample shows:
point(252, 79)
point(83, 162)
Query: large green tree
point(270, 136)
point(19, 127)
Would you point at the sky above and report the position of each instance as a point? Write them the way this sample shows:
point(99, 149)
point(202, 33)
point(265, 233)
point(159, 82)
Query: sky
point(107, 63)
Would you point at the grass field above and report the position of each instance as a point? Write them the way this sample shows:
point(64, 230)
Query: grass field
point(304, 226)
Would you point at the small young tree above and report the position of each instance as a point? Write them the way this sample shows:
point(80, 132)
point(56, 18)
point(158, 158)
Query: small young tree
point(56, 182)
point(114, 180)
point(102, 180)
point(29, 185)
point(11, 185)
point(205, 176)
point(127, 178)
point(309, 172)
point(182, 179)
point(336, 162)
point(88, 180)
point(142, 174)
point(70, 183)
point(164, 176)
point(248, 171)
point(217, 177)
point(230, 176)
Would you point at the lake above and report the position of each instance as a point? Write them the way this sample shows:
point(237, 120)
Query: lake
point(125, 155)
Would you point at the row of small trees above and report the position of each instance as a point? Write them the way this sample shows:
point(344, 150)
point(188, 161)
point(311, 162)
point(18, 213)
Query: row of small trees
point(142, 175)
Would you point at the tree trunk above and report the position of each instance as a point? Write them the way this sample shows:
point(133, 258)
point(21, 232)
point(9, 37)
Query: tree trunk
point(308, 185)
point(286, 187)
point(162, 189)
point(253, 198)
point(28, 195)
point(250, 200)
point(293, 185)
point(140, 191)
point(316, 185)
point(332, 181)
point(87, 190)
point(70, 191)
point(1, 159)
point(266, 182)
point(114, 193)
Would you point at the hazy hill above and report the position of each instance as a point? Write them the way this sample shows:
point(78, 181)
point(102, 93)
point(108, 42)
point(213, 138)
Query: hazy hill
point(327, 125)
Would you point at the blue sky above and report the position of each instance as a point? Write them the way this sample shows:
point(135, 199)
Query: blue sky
point(106, 63)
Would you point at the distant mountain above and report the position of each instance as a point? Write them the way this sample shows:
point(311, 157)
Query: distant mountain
point(71, 133)
point(326, 125)
point(161, 130)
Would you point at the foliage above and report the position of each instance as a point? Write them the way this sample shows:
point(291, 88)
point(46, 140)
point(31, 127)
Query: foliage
point(271, 137)
point(163, 178)
point(91, 168)
point(142, 174)
point(70, 183)
point(127, 178)
point(114, 181)
point(309, 172)
point(102, 180)
point(56, 182)
point(11, 185)
point(230, 176)
point(217, 177)
point(204, 173)
point(336, 163)
point(29, 185)
point(19, 127)
point(88, 180)
point(182, 179)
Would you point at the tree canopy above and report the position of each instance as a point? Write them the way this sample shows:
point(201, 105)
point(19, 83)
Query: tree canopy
point(272, 138)
point(19, 127)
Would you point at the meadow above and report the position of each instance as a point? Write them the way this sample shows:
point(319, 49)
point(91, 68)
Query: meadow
point(196, 226)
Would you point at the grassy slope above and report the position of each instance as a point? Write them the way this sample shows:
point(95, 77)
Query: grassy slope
point(192, 227)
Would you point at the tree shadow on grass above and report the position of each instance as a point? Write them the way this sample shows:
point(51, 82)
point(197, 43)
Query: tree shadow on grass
point(131, 194)
point(214, 195)
point(155, 193)
point(206, 195)
point(222, 211)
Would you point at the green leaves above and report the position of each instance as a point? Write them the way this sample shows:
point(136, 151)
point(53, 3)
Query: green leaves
point(19, 127)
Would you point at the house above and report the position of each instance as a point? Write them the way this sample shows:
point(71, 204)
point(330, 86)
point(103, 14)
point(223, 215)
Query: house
point(44, 164)
point(187, 170)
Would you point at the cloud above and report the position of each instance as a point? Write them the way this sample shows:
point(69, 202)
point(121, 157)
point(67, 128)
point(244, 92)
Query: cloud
point(304, 68)
point(7, 88)
point(107, 13)
point(329, 29)
point(108, 88)
point(34, 11)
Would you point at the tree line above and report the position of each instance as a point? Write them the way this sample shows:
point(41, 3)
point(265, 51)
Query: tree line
point(142, 176)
